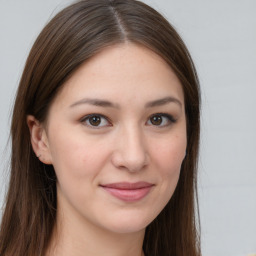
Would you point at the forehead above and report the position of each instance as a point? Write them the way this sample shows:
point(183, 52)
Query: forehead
point(122, 73)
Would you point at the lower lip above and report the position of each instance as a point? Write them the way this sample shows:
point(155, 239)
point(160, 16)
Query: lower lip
point(128, 195)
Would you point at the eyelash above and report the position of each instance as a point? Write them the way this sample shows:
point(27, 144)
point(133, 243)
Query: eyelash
point(170, 120)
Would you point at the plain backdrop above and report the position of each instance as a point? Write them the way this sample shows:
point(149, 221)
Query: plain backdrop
point(221, 36)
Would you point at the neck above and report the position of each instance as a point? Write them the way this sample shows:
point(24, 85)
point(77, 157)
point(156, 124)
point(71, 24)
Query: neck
point(76, 237)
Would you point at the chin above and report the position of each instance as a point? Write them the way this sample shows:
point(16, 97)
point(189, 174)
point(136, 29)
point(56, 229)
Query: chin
point(129, 223)
point(127, 229)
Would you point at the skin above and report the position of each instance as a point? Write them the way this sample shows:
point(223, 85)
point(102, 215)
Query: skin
point(127, 145)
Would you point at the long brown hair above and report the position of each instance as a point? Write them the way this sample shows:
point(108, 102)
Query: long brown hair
point(72, 37)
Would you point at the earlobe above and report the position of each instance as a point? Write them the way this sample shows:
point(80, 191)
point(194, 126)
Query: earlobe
point(39, 140)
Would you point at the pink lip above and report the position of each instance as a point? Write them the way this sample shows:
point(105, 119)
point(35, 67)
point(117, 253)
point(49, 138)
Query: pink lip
point(129, 192)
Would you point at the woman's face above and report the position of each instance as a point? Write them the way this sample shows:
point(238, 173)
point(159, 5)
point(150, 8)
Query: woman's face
point(116, 136)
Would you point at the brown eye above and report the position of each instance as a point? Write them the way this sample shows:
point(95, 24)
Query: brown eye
point(161, 120)
point(156, 120)
point(96, 121)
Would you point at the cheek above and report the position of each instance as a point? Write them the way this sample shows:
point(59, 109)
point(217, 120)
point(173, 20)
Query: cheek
point(77, 162)
point(168, 157)
point(170, 153)
point(75, 157)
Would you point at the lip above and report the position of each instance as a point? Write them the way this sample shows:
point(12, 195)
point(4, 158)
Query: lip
point(128, 192)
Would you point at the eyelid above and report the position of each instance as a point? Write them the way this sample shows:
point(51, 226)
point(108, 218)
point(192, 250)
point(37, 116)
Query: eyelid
point(170, 118)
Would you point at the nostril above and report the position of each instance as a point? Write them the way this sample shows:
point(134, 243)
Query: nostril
point(131, 162)
point(130, 152)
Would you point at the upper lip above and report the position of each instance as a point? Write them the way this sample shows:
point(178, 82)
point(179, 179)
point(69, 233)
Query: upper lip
point(128, 185)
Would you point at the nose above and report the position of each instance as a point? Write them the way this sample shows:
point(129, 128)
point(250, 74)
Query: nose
point(130, 151)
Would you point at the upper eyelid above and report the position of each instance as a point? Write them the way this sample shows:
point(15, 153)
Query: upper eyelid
point(171, 117)
point(94, 114)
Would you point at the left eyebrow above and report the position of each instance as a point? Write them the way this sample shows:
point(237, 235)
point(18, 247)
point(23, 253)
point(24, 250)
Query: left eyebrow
point(163, 101)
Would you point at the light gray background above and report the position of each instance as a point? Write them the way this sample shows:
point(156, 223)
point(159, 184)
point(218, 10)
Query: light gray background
point(221, 36)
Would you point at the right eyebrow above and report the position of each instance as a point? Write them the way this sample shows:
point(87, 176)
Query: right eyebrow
point(95, 102)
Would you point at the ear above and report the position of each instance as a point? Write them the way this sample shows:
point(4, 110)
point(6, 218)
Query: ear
point(39, 140)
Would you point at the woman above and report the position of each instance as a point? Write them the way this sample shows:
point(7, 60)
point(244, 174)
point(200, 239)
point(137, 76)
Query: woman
point(105, 137)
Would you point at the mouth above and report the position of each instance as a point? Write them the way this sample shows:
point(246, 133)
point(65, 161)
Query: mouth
point(128, 192)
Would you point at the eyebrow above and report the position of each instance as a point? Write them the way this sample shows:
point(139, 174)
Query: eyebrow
point(105, 103)
point(163, 101)
point(95, 102)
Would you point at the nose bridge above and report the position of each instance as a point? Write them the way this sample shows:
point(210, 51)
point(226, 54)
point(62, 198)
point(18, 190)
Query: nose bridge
point(131, 150)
